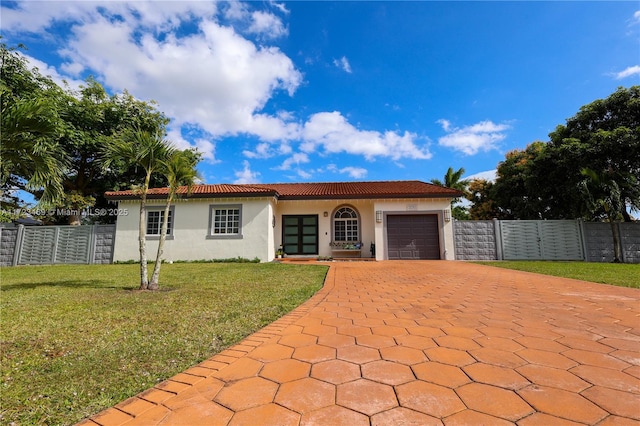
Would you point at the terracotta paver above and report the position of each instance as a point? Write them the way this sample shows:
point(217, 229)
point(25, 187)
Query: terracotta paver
point(553, 377)
point(424, 343)
point(314, 353)
point(494, 401)
point(306, 395)
point(285, 370)
point(441, 374)
point(387, 372)
point(247, 393)
point(264, 414)
point(240, 369)
point(334, 415)
point(470, 417)
point(336, 371)
point(403, 416)
point(434, 400)
point(563, 404)
point(366, 396)
point(495, 375)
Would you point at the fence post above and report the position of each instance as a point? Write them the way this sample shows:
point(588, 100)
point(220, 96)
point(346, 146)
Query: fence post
point(583, 240)
point(18, 247)
point(497, 232)
point(54, 249)
point(92, 246)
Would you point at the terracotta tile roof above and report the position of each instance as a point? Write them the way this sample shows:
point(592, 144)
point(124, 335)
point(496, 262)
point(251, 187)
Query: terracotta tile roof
point(306, 191)
point(197, 191)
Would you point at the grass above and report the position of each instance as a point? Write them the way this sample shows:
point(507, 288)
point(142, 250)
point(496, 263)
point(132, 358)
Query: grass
point(76, 339)
point(619, 274)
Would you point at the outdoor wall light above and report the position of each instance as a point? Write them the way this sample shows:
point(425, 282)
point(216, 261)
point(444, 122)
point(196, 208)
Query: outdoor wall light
point(378, 216)
point(325, 214)
point(447, 215)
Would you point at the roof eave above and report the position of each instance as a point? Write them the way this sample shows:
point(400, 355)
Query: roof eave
point(191, 196)
point(364, 196)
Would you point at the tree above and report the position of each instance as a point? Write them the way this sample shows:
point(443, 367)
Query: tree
point(81, 123)
point(544, 180)
point(91, 120)
point(481, 195)
point(180, 170)
point(522, 190)
point(30, 158)
point(603, 136)
point(453, 180)
point(603, 192)
point(149, 152)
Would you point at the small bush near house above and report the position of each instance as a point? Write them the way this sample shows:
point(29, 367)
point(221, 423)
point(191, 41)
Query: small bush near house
point(76, 339)
point(620, 274)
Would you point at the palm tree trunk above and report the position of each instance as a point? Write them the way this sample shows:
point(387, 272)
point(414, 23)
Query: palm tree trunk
point(142, 232)
point(155, 277)
point(616, 241)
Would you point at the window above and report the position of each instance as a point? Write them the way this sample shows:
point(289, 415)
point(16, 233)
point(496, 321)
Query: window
point(154, 222)
point(225, 221)
point(346, 225)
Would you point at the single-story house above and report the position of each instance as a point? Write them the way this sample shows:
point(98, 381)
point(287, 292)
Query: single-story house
point(381, 220)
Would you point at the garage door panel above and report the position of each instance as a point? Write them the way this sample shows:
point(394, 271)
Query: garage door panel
point(413, 237)
point(407, 254)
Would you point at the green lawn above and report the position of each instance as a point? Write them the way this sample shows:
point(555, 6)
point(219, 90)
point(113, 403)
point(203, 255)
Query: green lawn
point(620, 274)
point(76, 339)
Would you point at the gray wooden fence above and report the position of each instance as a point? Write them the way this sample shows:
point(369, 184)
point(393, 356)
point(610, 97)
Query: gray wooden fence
point(544, 240)
point(38, 245)
point(474, 240)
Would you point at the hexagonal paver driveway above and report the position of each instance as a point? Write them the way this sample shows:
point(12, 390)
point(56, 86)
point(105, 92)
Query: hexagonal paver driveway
point(421, 342)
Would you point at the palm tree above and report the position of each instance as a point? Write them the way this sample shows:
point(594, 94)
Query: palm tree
point(149, 151)
point(180, 170)
point(608, 198)
point(27, 152)
point(452, 180)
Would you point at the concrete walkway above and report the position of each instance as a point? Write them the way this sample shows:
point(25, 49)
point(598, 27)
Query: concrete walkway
point(420, 343)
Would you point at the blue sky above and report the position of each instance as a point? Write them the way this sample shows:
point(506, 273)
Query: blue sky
point(338, 91)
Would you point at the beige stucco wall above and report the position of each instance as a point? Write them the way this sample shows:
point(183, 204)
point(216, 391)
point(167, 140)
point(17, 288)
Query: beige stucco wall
point(260, 238)
point(191, 224)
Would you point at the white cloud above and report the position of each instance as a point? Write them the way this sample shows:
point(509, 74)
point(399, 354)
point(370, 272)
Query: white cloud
point(335, 134)
point(304, 174)
point(236, 10)
point(482, 136)
point(343, 64)
point(37, 16)
point(212, 77)
point(296, 159)
point(49, 71)
point(207, 149)
point(262, 150)
point(280, 6)
point(446, 124)
point(489, 175)
point(354, 172)
point(174, 136)
point(246, 175)
point(267, 25)
point(628, 72)
point(636, 17)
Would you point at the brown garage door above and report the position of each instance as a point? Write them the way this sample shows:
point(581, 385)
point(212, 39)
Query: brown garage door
point(413, 236)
